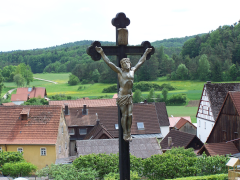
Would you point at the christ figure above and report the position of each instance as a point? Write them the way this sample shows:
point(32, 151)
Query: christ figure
point(125, 78)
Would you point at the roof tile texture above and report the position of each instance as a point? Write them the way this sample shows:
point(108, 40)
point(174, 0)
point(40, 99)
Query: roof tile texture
point(40, 128)
point(173, 120)
point(179, 139)
point(236, 100)
point(220, 148)
point(142, 148)
point(182, 122)
point(108, 116)
point(22, 94)
point(88, 102)
point(162, 114)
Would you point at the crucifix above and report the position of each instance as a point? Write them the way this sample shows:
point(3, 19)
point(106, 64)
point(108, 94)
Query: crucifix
point(125, 82)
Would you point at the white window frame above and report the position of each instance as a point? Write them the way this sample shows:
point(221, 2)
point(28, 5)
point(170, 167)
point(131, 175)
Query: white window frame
point(42, 149)
point(81, 133)
point(18, 149)
point(139, 124)
point(59, 149)
point(71, 133)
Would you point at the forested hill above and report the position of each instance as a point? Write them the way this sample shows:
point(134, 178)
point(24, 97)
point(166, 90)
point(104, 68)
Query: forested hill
point(211, 56)
point(173, 42)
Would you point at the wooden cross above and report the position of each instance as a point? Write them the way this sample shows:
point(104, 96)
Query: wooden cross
point(121, 51)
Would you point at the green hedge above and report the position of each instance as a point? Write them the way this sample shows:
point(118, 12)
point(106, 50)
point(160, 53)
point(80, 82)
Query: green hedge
point(211, 177)
point(142, 86)
point(18, 169)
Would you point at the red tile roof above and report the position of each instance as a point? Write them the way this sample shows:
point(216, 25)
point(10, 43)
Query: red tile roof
point(174, 120)
point(115, 96)
point(88, 102)
point(19, 97)
point(8, 104)
point(40, 128)
point(222, 148)
point(182, 122)
point(23, 94)
point(145, 113)
point(235, 96)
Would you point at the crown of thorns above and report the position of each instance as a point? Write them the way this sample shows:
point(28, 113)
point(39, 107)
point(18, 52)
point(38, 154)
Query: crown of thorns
point(125, 60)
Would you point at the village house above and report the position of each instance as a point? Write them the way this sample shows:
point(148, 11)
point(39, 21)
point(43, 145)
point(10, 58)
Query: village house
point(184, 125)
point(23, 94)
point(40, 132)
point(227, 126)
point(173, 120)
point(102, 122)
point(211, 101)
point(176, 138)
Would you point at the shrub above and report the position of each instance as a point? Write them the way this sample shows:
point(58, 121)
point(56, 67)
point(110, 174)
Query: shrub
point(110, 89)
point(112, 176)
point(102, 163)
point(18, 168)
point(212, 164)
point(177, 99)
point(73, 80)
point(67, 171)
point(105, 164)
point(10, 157)
point(142, 86)
point(169, 166)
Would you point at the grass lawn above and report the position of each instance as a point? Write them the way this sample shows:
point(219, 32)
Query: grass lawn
point(178, 111)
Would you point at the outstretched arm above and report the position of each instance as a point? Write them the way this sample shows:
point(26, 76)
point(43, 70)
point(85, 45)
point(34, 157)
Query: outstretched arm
point(107, 61)
point(142, 59)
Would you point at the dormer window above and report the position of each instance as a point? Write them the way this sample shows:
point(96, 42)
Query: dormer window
point(83, 131)
point(24, 113)
point(140, 126)
point(116, 126)
point(71, 131)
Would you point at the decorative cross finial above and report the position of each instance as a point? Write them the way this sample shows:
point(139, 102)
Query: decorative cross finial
point(120, 21)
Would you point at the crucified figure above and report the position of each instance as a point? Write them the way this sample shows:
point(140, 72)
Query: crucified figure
point(125, 78)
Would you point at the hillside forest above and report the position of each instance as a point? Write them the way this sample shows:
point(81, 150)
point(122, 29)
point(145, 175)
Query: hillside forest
point(211, 56)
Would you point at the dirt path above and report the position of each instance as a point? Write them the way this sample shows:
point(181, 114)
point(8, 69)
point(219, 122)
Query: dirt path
point(45, 80)
point(9, 92)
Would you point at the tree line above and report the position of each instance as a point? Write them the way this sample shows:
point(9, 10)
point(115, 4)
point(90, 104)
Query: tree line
point(210, 56)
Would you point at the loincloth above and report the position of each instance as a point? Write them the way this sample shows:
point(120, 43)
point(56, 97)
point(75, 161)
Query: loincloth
point(124, 100)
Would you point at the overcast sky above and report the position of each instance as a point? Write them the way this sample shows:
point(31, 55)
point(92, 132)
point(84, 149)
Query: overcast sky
point(30, 24)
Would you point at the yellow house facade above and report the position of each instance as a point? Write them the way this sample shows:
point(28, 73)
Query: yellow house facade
point(40, 132)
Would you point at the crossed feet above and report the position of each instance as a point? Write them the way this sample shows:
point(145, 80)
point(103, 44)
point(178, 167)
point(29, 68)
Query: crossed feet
point(127, 136)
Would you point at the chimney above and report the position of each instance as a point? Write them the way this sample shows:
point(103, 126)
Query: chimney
point(145, 101)
point(33, 87)
point(84, 111)
point(66, 109)
point(83, 98)
point(208, 82)
point(97, 120)
point(169, 141)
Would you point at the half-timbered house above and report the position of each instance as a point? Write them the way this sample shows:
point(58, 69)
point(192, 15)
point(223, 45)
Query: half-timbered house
point(211, 101)
point(227, 126)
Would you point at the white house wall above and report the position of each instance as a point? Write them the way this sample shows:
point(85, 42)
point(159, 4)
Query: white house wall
point(164, 130)
point(18, 102)
point(205, 120)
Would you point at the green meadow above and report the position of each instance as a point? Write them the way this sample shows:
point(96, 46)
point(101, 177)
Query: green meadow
point(192, 89)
